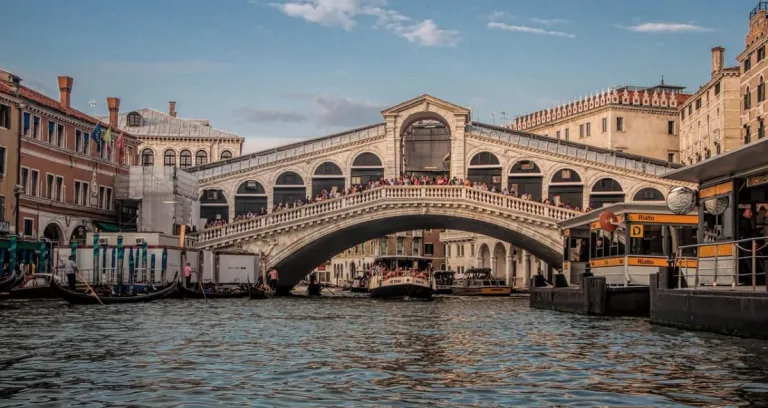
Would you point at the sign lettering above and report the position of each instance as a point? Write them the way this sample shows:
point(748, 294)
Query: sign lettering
point(636, 231)
point(664, 219)
point(5, 227)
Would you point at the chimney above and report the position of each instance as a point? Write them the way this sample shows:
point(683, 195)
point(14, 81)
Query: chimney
point(65, 91)
point(718, 60)
point(172, 108)
point(114, 106)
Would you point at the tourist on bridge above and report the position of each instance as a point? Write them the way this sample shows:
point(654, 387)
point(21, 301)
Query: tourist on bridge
point(187, 275)
point(70, 269)
point(273, 277)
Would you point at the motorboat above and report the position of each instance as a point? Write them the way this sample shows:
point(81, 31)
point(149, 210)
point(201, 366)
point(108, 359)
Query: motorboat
point(400, 285)
point(443, 282)
point(358, 285)
point(480, 282)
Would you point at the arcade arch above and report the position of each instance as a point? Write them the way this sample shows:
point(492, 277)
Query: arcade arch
point(213, 205)
point(525, 177)
point(250, 198)
point(425, 143)
point(54, 233)
point(366, 167)
point(485, 168)
point(604, 192)
point(289, 188)
point(327, 177)
point(566, 187)
point(648, 194)
point(499, 261)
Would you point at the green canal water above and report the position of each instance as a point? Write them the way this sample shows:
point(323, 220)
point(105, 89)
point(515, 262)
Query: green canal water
point(362, 352)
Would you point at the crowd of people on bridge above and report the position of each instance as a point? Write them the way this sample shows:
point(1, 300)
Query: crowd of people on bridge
point(325, 195)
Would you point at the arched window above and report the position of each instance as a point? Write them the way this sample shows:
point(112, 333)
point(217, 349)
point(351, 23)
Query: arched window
point(147, 158)
point(485, 168)
point(717, 148)
point(289, 178)
point(367, 160)
point(288, 189)
point(525, 178)
point(134, 119)
point(761, 90)
point(567, 188)
point(201, 157)
point(328, 169)
point(185, 159)
point(747, 99)
point(327, 177)
point(484, 159)
point(707, 154)
point(169, 158)
point(226, 154)
point(605, 192)
point(213, 205)
point(250, 198)
point(649, 194)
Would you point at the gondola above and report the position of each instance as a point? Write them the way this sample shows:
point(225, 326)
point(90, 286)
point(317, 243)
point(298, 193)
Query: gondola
point(38, 286)
point(196, 294)
point(256, 293)
point(78, 298)
point(11, 282)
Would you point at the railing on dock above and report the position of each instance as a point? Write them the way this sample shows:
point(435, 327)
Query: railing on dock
point(740, 264)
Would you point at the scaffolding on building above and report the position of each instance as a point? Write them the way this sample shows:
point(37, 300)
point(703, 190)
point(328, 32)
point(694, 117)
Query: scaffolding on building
point(164, 197)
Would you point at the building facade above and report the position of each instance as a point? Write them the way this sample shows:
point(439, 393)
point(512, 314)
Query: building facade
point(66, 177)
point(10, 104)
point(635, 120)
point(709, 119)
point(754, 71)
point(168, 140)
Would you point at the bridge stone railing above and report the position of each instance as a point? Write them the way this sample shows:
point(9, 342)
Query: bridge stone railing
point(396, 194)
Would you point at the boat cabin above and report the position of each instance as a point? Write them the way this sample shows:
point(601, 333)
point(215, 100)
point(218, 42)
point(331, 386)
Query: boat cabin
point(732, 203)
point(478, 277)
point(636, 243)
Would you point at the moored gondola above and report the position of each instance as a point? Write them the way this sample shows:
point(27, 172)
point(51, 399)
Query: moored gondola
point(258, 293)
point(11, 282)
point(213, 294)
point(37, 286)
point(78, 298)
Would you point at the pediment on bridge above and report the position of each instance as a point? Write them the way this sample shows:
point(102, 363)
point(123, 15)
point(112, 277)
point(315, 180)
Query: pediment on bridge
point(427, 101)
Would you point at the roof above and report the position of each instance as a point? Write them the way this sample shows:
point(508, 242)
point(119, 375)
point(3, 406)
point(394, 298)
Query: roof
point(747, 158)
point(156, 123)
point(50, 103)
point(618, 208)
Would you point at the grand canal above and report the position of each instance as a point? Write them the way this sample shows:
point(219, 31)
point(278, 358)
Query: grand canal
point(362, 352)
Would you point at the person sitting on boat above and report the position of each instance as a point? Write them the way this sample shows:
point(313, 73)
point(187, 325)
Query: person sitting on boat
point(70, 269)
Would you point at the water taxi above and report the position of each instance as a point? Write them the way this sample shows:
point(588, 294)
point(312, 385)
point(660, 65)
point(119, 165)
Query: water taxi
point(480, 282)
point(443, 281)
point(400, 284)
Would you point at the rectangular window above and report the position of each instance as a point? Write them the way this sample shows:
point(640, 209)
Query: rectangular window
point(690, 109)
point(51, 132)
point(81, 192)
point(36, 127)
point(670, 127)
point(25, 179)
point(415, 247)
point(59, 188)
point(558, 135)
point(471, 249)
point(698, 104)
point(581, 130)
point(671, 157)
point(567, 135)
point(76, 192)
point(761, 53)
point(78, 140)
point(589, 129)
point(60, 133)
point(27, 124)
point(29, 227)
point(3, 152)
point(5, 116)
point(717, 88)
point(429, 249)
point(49, 186)
point(2, 208)
point(620, 124)
point(34, 176)
point(760, 129)
point(748, 63)
point(605, 124)
point(399, 246)
point(747, 136)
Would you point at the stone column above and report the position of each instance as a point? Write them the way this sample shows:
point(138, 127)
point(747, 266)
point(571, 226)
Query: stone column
point(493, 265)
point(458, 147)
point(527, 267)
point(510, 268)
point(392, 148)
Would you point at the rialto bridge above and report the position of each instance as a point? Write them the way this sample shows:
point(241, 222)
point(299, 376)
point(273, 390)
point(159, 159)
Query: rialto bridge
point(423, 136)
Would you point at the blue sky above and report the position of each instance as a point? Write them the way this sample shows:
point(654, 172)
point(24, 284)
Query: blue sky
point(277, 71)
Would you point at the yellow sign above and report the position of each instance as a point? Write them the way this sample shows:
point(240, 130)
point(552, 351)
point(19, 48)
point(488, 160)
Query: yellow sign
point(566, 266)
point(636, 261)
point(602, 263)
point(636, 231)
point(719, 189)
point(664, 219)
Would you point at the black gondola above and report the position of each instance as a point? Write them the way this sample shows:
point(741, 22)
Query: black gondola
point(11, 282)
point(196, 294)
point(256, 293)
point(77, 298)
point(38, 286)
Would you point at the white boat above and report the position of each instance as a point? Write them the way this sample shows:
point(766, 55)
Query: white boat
point(403, 285)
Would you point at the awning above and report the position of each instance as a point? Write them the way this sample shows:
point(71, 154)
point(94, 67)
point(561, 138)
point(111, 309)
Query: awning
point(736, 162)
point(5, 243)
point(104, 226)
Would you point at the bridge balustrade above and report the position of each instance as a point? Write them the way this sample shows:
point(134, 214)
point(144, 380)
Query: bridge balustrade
point(385, 193)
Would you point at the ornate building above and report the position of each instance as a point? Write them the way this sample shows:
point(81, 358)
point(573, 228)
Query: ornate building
point(66, 178)
point(709, 119)
point(641, 121)
point(754, 71)
point(168, 140)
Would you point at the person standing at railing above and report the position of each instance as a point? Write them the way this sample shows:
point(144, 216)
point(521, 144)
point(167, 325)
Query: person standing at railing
point(746, 231)
point(70, 269)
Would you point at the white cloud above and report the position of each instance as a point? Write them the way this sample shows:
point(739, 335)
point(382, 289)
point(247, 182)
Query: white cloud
point(530, 30)
point(548, 21)
point(345, 13)
point(666, 28)
point(499, 15)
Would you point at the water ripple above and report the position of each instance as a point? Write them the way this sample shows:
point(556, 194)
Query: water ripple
point(363, 352)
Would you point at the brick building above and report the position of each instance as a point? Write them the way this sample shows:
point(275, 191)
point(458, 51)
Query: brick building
point(67, 183)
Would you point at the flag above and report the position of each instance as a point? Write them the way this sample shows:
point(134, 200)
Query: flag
point(96, 134)
point(108, 136)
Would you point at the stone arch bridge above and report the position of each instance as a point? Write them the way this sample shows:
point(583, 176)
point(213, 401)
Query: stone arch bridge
point(538, 166)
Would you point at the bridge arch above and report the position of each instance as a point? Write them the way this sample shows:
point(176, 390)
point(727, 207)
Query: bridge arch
point(485, 167)
point(526, 177)
point(304, 251)
point(484, 256)
point(250, 197)
point(605, 191)
point(288, 187)
point(327, 175)
point(366, 166)
point(566, 186)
